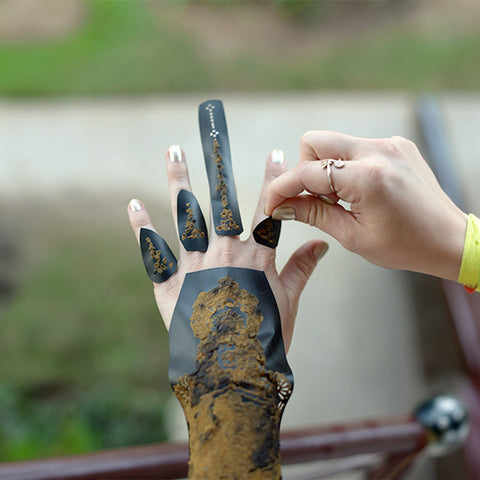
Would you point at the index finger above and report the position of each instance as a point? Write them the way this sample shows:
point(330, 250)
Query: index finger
point(309, 176)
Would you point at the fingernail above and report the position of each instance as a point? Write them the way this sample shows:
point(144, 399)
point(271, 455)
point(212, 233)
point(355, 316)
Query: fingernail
point(135, 205)
point(326, 199)
point(320, 250)
point(284, 213)
point(175, 153)
point(277, 156)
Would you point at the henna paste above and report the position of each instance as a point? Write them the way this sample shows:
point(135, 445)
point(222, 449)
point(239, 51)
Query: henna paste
point(267, 232)
point(191, 223)
point(160, 262)
point(216, 150)
point(229, 371)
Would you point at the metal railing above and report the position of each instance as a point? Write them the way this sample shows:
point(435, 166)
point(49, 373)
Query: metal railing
point(395, 442)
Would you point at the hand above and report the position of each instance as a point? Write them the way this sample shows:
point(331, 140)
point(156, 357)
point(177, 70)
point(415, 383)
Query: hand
point(230, 250)
point(399, 216)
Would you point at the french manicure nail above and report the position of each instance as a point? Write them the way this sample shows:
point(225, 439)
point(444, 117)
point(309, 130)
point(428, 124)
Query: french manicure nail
point(277, 156)
point(175, 153)
point(135, 205)
point(284, 213)
point(326, 199)
point(320, 250)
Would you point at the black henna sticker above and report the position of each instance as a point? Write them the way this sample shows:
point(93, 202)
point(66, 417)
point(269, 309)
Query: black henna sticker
point(229, 371)
point(216, 150)
point(191, 223)
point(267, 232)
point(160, 262)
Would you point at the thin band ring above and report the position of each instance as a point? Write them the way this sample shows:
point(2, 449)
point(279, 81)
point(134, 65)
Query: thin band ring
point(329, 176)
point(327, 163)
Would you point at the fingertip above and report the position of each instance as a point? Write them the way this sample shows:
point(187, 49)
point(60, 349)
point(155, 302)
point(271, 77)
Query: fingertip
point(175, 154)
point(277, 157)
point(320, 249)
point(135, 205)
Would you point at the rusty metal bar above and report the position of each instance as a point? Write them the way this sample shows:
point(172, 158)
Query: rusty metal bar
point(335, 441)
point(394, 468)
point(169, 461)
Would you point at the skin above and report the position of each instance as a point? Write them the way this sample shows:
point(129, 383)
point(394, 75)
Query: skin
point(226, 251)
point(399, 217)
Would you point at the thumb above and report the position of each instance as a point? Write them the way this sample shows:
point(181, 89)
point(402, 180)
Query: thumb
point(300, 266)
point(332, 219)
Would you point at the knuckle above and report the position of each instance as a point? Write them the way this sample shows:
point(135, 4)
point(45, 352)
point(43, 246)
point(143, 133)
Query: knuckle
point(177, 174)
point(388, 146)
point(401, 141)
point(405, 145)
point(314, 214)
point(227, 252)
point(378, 179)
point(377, 174)
point(141, 219)
point(304, 264)
point(307, 137)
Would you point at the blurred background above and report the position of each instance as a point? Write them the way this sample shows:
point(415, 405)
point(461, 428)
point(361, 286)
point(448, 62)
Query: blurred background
point(93, 92)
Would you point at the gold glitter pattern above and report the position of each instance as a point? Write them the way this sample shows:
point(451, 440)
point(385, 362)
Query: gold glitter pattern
point(232, 403)
point(191, 232)
point(227, 223)
point(161, 264)
point(267, 232)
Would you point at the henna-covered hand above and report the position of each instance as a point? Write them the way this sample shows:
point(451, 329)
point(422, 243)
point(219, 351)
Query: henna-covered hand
point(230, 314)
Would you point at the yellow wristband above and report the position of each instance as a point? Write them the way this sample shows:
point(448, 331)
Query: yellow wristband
point(469, 274)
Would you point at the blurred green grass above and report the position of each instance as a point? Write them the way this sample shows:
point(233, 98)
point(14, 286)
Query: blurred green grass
point(124, 49)
point(83, 350)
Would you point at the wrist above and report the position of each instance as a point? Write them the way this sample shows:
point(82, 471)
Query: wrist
point(455, 236)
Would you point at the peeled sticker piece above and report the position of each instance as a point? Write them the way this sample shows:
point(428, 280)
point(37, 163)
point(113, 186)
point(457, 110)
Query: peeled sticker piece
point(267, 232)
point(160, 262)
point(216, 150)
point(191, 223)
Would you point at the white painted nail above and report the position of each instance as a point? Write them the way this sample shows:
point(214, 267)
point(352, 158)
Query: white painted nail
point(135, 205)
point(175, 153)
point(277, 156)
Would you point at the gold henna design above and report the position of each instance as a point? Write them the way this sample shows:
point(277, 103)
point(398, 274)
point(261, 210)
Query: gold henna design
point(161, 264)
point(227, 222)
point(232, 403)
point(267, 232)
point(191, 232)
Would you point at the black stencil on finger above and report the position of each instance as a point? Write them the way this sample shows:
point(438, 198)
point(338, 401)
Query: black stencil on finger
point(160, 262)
point(267, 232)
point(216, 150)
point(191, 223)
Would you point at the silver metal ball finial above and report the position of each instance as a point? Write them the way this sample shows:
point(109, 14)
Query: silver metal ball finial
point(447, 423)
